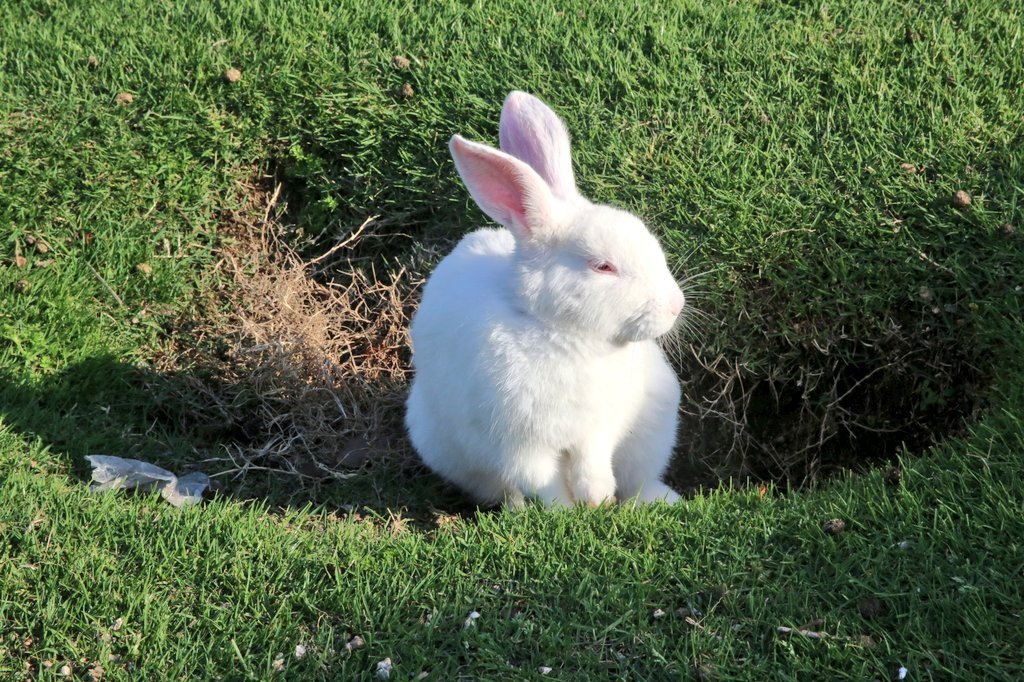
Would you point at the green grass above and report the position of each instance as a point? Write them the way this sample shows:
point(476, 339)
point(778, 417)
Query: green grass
point(766, 138)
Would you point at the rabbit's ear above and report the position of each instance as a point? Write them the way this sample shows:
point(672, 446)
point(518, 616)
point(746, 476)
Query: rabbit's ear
point(505, 188)
point(531, 132)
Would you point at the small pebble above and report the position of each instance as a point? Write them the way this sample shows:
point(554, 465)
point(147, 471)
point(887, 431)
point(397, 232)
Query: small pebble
point(300, 650)
point(658, 613)
point(901, 674)
point(406, 91)
point(908, 168)
point(400, 62)
point(1008, 230)
point(961, 199)
point(93, 61)
point(124, 98)
point(834, 526)
point(384, 669)
point(355, 644)
point(65, 670)
point(232, 75)
point(544, 670)
point(118, 624)
point(278, 663)
point(144, 268)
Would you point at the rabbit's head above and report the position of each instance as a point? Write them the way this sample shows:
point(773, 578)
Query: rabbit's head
point(586, 269)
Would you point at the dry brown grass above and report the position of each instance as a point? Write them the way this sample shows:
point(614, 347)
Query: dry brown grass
point(302, 367)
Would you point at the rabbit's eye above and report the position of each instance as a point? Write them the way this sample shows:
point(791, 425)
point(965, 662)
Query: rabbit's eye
point(604, 267)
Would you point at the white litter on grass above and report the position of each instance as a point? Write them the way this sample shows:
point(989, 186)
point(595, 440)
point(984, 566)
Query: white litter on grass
point(658, 613)
point(904, 544)
point(300, 650)
point(354, 644)
point(470, 620)
point(116, 473)
point(384, 669)
point(543, 670)
point(901, 674)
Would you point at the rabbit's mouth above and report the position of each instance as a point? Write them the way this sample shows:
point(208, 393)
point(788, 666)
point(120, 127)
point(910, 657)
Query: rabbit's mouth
point(645, 325)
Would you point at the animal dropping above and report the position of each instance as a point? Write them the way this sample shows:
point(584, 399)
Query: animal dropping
point(537, 368)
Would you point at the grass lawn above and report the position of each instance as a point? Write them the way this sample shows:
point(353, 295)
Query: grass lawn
point(804, 157)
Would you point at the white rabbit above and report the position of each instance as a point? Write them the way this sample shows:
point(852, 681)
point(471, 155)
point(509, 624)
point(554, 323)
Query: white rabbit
point(537, 373)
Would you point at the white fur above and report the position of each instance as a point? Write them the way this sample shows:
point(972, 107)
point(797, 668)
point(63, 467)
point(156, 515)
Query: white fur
point(536, 375)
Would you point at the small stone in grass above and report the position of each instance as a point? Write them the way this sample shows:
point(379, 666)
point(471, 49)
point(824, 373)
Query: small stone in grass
point(93, 61)
point(300, 650)
point(232, 75)
point(1008, 230)
point(961, 199)
point(20, 261)
point(870, 607)
point(893, 476)
point(65, 670)
point(144, 268)
point(400, 62)
point(383, 671)
point(908, 168)
point(834, 526)
point(406, 91)
point(123, 98)
point(544, 670)
point(278, 663)
point(658, 613)
point(355, 644)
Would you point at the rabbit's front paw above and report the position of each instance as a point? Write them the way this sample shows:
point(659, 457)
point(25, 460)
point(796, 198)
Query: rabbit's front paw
point(593, 489)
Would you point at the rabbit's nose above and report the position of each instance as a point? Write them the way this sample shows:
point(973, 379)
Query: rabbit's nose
point(676, 303)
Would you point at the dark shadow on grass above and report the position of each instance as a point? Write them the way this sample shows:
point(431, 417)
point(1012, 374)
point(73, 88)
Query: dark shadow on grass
point(104, 406)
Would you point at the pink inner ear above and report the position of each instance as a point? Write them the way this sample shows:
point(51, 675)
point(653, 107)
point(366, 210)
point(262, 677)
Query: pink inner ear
point(500, 184)
point(494, 184)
